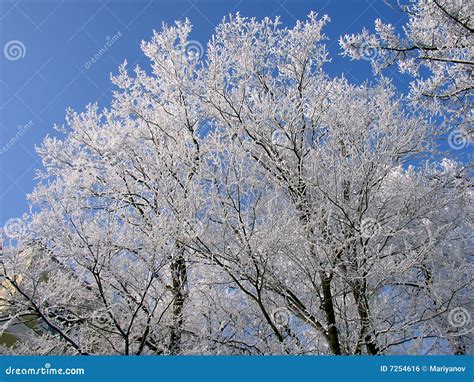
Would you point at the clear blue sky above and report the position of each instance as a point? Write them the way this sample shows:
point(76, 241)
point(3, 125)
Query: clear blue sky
point(59, 37)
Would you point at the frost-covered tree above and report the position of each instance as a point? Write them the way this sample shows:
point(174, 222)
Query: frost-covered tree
point(245, 203)
point(436, 49)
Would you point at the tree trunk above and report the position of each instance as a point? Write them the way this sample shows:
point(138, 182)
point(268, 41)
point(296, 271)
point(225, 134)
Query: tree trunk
point(328, 307)
point(367, 332)
point(179, 281)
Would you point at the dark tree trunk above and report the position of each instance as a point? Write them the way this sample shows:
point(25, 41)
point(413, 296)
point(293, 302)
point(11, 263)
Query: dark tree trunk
point(328, 307)
point(179, 281)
